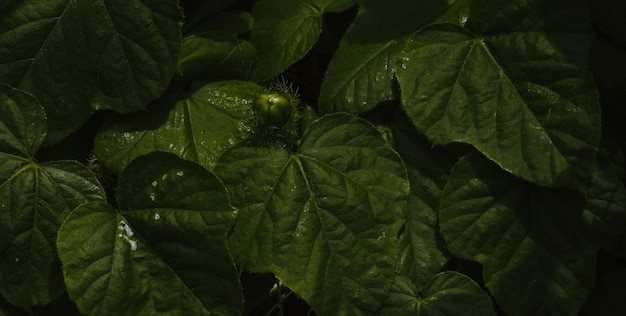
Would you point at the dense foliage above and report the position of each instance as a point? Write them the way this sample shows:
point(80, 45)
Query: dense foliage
point(300, 157)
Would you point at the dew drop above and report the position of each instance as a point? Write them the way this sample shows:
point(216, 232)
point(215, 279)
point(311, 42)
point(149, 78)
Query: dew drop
point(152, 196)
point(132, 243)
point(163, 177)
point(180, 173)
point(17, 259)
point(154, 184)
point(157, 216)
point(126, 228)
point(129, 233)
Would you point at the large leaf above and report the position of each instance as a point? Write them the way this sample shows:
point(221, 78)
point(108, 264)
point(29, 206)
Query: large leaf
point(533, 246)
point(324, 219)
point(80, 55)
point(22, 122)
point(519, 89)
point(446, 294)
point(362, 71)
point(285, 30)
point(216, 51)
point(422, 253)
point(199, 127)
point(34, 201)
point(164, 253)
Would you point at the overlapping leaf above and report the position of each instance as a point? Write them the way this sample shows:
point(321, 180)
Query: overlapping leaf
point(362, 71)
point(324, 219)
point(77, 56)
point(509, 78)
point(34, 200)
point(447, 294)
point(422, 253)
point(285, 30)
point(216, 50)
point(537, 255)
point(519, 89)
point(197, 128)
point(164, 253)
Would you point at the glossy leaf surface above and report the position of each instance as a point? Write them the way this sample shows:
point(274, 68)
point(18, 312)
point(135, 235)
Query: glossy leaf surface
point(163, 253)
point(361, 73)
point(324, 219)
point(523, 97)
point(446, 294)
point(35, 198)
point(199, 127)
point(78, 56)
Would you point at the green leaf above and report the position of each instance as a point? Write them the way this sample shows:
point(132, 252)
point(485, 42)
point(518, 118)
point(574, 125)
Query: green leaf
point(285, 30)
point(34, 201)
point(447, 294)
point(422, 253)
point(22, 122)
point(361, 73)
point(216, 50)
point(165, 253)
point(324, 219)
point(533, 246)
point(199, 127)
point(520, 90)
point(78, 56)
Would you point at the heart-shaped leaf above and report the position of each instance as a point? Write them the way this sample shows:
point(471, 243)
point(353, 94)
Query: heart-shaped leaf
point(361, 73)
point(422, 253)
point(199, 127)
point(34, 200)
point(446, 294)
point(534, 248)
point(285, 30)
point(77, 56)
point(164, 253)
point(324, 219)
point(517, 89)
